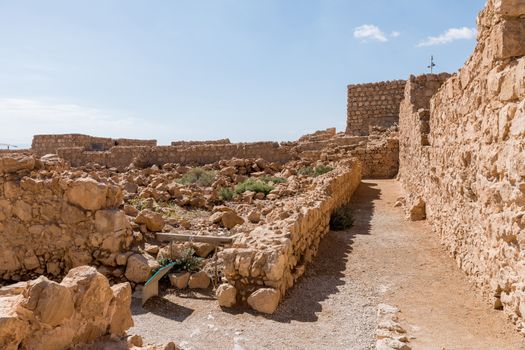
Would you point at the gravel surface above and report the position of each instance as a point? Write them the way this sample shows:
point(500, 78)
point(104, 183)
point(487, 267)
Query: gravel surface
point(382, 258)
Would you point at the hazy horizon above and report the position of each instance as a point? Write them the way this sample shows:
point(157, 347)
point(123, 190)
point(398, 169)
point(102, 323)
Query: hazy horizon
point(244, 70)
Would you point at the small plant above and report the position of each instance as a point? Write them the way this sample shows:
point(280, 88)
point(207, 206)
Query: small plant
point(198, 176)
point(139, 203)
point(254, 186)
point(306, 171)
point(322, 169)
point(188, 262)
point(274, 179)
point(342, 218)
point(314, 172)
point(225, 194)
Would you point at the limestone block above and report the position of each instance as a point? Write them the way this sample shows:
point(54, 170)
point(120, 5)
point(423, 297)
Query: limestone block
point(87, 193)
point(264, 300)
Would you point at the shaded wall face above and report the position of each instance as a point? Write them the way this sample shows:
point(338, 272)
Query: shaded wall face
point(472, 172)
point(375, 104)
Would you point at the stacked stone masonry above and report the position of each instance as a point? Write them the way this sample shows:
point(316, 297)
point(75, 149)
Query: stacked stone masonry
point(49, 144)
point(373, 105)
point(378, 153)
point(468, 177)
point(266, 262)
point(52, 220)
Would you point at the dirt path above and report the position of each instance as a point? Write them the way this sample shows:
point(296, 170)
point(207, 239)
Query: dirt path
point(381, 259)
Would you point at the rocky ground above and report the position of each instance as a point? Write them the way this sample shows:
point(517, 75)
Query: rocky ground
point(382, 259)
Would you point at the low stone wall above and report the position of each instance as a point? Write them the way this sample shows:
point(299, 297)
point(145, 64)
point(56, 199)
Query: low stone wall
point(373, 104)
point(52, 221)
point(266, 262)
point(42, 314)
point(196, 143)
point(121, 157)
point(473, 167)
point(49, 144)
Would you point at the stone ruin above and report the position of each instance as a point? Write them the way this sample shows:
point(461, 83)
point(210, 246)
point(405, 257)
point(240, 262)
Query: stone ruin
point(89, 210)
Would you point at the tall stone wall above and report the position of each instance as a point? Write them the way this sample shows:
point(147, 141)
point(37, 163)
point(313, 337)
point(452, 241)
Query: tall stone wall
point(51, 220)
point(374, 104)
point(46, 144)
point(474, 164)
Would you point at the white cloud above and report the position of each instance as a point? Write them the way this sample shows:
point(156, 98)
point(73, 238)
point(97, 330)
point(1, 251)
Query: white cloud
point(369, 31)
point(449, 36)
point(21, 118)
point(395, 34)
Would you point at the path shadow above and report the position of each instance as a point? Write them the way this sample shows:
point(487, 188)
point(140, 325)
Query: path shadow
point(162, 307)
point(326, 274)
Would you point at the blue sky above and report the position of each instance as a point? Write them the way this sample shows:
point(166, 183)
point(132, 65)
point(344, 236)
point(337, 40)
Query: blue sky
point(204, 69)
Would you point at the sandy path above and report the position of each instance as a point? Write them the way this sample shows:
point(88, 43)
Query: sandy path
point(382, 258)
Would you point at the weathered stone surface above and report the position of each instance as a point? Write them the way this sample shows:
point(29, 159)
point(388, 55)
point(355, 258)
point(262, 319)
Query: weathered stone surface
point(11, 164)
point(231, 219)
point(264, 300)
point(44, 315)
point(153, 221)
point(199, 280)
point(87, 193)
point(140, 267)
point(226, 295)
point(179, 280)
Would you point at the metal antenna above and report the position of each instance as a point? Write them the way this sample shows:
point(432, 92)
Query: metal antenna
point(432, 64)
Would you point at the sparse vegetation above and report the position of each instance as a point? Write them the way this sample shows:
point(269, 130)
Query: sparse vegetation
point(342, 218)
point(314, 172)
point(253, 185)
point(225, 194)
point(138, 203)
point(198, 176)
point(273, 179)
point(188, 262)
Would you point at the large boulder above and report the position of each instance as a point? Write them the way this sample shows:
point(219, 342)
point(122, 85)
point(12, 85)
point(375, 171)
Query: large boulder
point(87, 194)
point(226, 295)
point(264, 300)
point(120, 312)
point(14, 163)
point(140, 267)
point(153, 221)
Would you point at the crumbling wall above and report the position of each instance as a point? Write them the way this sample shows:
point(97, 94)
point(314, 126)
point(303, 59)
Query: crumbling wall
point(42, 314)
point(195, 143)
point(373, 104)
point(49, 144)
point(51, 221)
point(121, 157)
point(475, 168)
point(267, 261)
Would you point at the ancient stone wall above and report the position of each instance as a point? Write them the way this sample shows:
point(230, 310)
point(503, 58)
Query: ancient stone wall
point(267, 261)
point(121, 157)
point(51, 221)
point(49, 144)
point(195, 143)
point(414, 128)
point(42, 314)
point(374, 104)
point(474, 172)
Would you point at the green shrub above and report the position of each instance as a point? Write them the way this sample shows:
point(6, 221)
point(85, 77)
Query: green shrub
point(321, 169)
point(311, 171)
point(274, 179)
point(225, 194)
point(254, 186)
point(198, 176)
point(138, 203)
point(342, 218)
point(188, 262)
point(306, 171)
